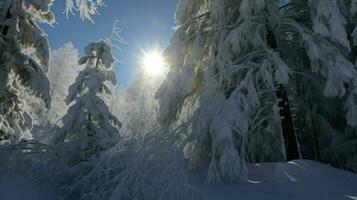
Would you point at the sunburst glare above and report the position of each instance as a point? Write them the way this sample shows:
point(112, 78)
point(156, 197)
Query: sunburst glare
point(153, 63)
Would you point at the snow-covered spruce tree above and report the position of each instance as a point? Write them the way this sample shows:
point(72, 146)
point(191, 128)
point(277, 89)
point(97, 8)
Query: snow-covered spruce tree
point(88, 122)
point(228, 58)
point(88, 128)
point(321, 122)
point(24, 58)
point(221, 55)
point(63, 71)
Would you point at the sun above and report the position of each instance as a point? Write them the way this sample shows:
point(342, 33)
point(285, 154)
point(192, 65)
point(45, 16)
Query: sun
point(153, 63)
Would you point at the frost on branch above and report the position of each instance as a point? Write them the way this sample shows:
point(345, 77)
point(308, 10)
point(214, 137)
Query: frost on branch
point(86, 8)
point(18, 24)
point(5, 131)
point(153, 168)
point(24, 59)
point(19, 19)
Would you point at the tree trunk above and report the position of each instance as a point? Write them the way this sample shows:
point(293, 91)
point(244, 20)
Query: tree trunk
point(6, 28)
point(315, 139)
point(287, 124)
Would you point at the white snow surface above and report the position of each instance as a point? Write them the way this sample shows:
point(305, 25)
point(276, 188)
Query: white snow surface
point(14, 186)
point(295, 180)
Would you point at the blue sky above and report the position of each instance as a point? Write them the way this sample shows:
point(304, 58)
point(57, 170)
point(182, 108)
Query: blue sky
point(146, 24)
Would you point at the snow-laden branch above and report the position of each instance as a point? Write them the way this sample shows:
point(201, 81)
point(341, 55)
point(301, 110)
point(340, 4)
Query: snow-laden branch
point(86, 8)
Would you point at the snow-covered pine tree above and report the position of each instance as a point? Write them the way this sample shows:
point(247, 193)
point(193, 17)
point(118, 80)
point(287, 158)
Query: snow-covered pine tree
point(63, 71)
point(88, 123)
point(24, 58)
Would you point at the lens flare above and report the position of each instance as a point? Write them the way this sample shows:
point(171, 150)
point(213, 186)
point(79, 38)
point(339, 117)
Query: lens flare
point(153, 63)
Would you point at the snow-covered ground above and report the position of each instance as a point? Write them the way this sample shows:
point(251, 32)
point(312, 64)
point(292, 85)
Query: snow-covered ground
point(296, 180)
point(17, 187)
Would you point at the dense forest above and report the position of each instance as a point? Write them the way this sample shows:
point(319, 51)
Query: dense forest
point(246, 81)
